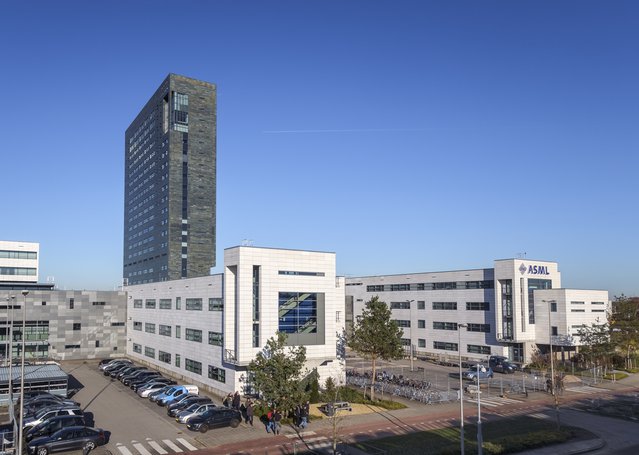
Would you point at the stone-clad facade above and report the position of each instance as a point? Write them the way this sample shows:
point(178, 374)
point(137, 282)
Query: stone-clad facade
point(170, 184)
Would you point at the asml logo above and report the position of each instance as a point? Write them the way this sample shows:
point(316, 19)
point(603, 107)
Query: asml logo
point(534, 269)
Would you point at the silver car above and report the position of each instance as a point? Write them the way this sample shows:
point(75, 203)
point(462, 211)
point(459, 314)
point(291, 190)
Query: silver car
point(193, 410)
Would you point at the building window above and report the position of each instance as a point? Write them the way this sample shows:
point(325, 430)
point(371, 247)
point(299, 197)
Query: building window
point(137, 348)
point(149, 352)
point(421, 324)
point(216, 338)
point(444, 326)
point(421, 305)
point(597, 303)
point(71, 346)
point(478, 349)
point(375, 288)
point(194, 304)
point(298, 312)
point(291, 272)
point(193, 335)
point(477, 306)
point(421, 343)
point(554, 331)
point(256, 334)
point(532, 286)
point(118, 324)
point(216, 304)
point(137, 325)
point(177, 360)
point(137, 303)
point(150, 303)
point(178, 331)
point(193, 366)
point(400, 287)
point(149, 327)
point(577, 303)
point(577, 310)
point(71, 304)
point(400, 305)
point(405, 341)
point(164, 357)
point(77, 326)
point(178, 303)
point(98, 303)
point(444, 305)
point(478, 328)
point(594, 310)
point(217, 374)
point(553, 306)
point(445, 346)
point(97, 343)
point(165, 304)
point(402, 322)
point(165, 330)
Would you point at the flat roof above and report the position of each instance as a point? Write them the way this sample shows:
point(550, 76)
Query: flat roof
point(418, 273)
point(33, 373)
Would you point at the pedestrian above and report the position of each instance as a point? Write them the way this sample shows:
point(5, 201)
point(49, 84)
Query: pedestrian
point(269, 421)
point(235, 403)
point(297, 415)
point(303, 417)
point(249, 412)
point(227, 401)
point(277, 418)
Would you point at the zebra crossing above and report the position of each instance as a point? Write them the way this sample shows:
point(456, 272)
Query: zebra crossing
point(583, 389)
point(151, 447)
point(494, 401)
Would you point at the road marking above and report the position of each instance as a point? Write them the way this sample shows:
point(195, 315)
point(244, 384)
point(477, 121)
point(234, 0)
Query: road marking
point(157, 447)
point(186, 444)
point(140, 448)
point(123, 450)
point(170, 443)
point(301, 435)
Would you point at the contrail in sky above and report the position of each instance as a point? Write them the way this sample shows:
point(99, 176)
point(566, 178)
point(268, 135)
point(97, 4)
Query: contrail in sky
point(353, 130)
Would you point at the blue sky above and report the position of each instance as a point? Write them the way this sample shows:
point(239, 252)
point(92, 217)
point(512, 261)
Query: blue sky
point(406, 136)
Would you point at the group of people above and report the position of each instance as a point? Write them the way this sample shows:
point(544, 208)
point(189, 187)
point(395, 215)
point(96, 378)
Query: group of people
point(273, 421)
point(301, 412)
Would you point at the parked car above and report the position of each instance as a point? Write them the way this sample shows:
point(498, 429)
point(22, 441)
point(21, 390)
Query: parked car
point(50, 426)
point(47, 413)
point(215, 418)
point(126, 371)
point(106, 362)
point(141, 378)
point(176, 393)
point(501, 364)
point(70, 438)
point(482, 372)
point(111, 367)
point(42, 397)
point(174, 408)
point(192, 411)
point(134, 374)
point(331, 408)
point(153, 386)
point(141, 383)
point(34, 408)
point(153, 395)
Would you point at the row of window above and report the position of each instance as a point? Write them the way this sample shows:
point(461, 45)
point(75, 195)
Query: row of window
point(215, 338)
point(21, 271)
point(9, 254)
point(583, 310)
point(291, 272)
point(470, 348)
point(421, 324)
point(421, 305)
point(484, 284)
point(193, 366)
point(215, 304)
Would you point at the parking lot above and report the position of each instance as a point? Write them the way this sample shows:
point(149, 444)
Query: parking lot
point(136, 424)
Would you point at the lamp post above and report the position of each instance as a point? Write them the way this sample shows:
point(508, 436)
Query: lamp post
point(553, 389)
point(12, 299)
point(410, 308)
point(24, 320)
point(480, 436)
point(461, 392)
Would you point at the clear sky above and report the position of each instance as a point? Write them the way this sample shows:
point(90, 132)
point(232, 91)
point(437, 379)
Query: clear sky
point(406, 136)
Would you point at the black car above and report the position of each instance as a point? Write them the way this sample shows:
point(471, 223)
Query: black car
point(142, 378)
point(215, 418)
point(126, 380)
point(501, 364)
point(34, 408)
point(116, 366)
point(42, 397)
point(173, 409)
point(126, 371)
point(70, 438)
point(48, 427)
point(139, 383)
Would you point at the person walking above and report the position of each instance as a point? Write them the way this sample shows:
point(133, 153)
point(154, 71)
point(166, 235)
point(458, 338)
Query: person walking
point(235, 403)
point(277, 418)
point(269, 421)
point(249, 412)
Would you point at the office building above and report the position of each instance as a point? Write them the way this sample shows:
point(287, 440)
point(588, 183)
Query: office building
point(207, 330)
point(503, 310)
point(170, 184)
point(19, 262)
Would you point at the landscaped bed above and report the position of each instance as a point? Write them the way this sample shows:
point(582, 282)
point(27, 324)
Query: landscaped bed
point(500, 437)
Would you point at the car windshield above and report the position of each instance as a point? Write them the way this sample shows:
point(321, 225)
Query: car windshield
point(170, 390)
point(192, 407)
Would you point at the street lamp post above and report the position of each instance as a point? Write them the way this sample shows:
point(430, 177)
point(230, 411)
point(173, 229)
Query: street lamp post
point(410, 307)
point(12, 298)
point(24, 320)
point(461, 392)
point(553, 387)
point(480, 435)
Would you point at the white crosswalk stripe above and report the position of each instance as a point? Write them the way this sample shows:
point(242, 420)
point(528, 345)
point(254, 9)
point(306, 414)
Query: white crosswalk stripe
point(157, 447)
point(172, 445)
point(494, 401)
point(140, 448)
point(123, 450)
point(583, 389)
point(186, 444)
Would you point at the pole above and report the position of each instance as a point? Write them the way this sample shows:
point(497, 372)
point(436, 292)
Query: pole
point(24, 320)
point(411, 357)
point(552, 365)
point(480, 437)
point(461, 393)
point(10, 354)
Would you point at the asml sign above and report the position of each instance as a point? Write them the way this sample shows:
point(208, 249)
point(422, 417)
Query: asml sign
point(534, 269)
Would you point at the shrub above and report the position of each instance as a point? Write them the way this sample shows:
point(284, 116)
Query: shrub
point(616, 376)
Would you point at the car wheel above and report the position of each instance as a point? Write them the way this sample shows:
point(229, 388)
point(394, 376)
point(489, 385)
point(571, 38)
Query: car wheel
point(204, 428)
point(234, 423)
point(89, 446)
point(42, 451)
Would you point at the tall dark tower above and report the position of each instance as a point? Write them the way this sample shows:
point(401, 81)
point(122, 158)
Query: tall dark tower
point(169, 184)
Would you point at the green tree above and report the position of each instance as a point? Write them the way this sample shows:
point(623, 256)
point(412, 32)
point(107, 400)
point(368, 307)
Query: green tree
point(624, 325)
point(376, 336)
point(597, 344)
point(277, 370)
